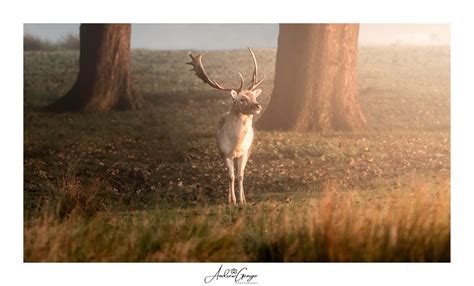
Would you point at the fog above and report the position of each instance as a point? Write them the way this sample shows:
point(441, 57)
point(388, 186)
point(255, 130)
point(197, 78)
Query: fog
point(235, 36)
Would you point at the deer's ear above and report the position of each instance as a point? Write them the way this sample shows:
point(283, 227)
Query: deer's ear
point(257, 92)
point(233, 93)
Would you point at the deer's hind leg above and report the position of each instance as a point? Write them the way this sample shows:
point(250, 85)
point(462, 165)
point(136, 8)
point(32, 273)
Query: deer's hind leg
point(241, 163)
point(229, 164)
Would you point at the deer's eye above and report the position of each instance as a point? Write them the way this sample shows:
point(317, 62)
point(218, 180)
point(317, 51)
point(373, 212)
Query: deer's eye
point(242, 100)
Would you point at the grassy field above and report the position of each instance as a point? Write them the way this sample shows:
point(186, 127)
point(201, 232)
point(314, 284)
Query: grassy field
point(150, 186)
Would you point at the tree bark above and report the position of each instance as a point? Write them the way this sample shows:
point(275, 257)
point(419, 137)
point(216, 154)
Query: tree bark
point(104, 81)
point(315, 80)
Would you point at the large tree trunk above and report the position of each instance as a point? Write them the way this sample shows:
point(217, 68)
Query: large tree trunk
point(104, 81)
point(315, 79)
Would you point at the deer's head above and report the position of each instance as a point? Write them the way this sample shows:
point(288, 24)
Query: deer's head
point(245, 98)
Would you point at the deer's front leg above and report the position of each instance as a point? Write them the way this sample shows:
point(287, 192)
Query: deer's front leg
point(229, 163)
point(241, 162)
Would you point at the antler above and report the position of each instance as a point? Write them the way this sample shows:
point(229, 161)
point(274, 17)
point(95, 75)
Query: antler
point(254, 83)
point(196, 62)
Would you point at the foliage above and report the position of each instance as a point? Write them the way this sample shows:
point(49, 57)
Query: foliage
point(33, 43)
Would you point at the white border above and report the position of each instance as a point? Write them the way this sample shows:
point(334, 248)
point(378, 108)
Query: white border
point(14, 14)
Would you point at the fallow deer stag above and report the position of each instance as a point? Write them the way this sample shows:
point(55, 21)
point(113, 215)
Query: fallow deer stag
point(234, 131)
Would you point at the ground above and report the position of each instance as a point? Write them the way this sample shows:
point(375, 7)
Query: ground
point(149, 185)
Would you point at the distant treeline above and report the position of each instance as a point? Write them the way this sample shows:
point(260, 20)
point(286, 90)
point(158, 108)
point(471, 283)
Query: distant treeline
point(33, 43)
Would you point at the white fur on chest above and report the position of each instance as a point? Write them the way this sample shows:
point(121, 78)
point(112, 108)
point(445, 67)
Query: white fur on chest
point(235, 136)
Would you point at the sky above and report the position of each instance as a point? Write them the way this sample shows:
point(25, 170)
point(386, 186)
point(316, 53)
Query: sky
point(237, 36)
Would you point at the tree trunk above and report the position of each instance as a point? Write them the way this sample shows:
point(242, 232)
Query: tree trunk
point(315, 79)
point(104, 81)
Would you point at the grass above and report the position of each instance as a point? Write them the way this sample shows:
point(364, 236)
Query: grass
point(149, 185)
point(319, 225)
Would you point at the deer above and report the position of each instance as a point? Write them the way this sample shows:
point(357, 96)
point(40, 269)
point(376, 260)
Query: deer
point(235, 133)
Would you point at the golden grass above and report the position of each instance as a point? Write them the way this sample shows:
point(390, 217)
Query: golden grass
point(410, 225)
point(331, 225)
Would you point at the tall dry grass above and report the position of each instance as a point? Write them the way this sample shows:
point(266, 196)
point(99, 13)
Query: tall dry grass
point(411, 225)
point(333, 225)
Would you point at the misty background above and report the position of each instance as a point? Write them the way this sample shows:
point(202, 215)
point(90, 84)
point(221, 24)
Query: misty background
point(237, 36)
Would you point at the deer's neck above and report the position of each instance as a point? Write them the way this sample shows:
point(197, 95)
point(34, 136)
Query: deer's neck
point(237, 126)
point(239, 120)
point(235, 135)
